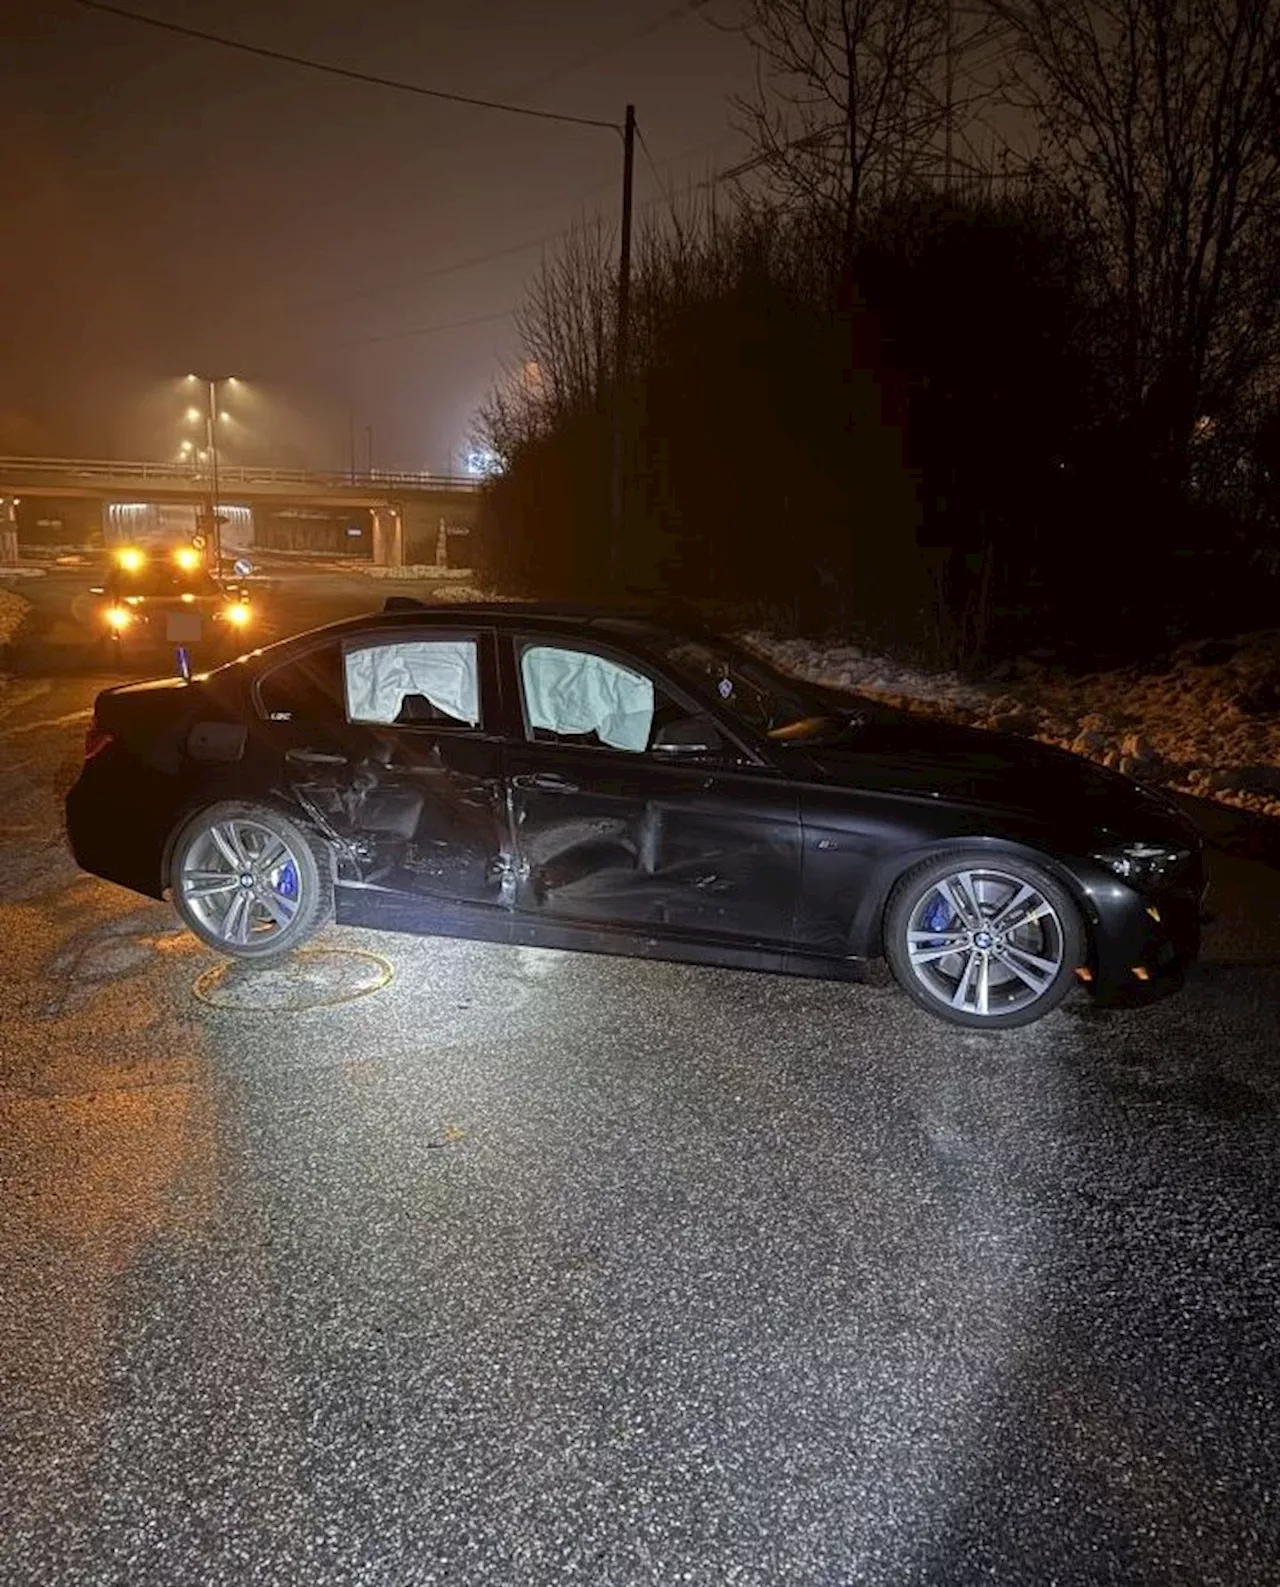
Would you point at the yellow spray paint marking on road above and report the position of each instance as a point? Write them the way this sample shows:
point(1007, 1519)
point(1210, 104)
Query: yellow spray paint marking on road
point(309, 978)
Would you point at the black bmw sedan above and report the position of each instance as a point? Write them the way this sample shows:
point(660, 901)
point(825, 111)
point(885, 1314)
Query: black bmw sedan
point(578, 780)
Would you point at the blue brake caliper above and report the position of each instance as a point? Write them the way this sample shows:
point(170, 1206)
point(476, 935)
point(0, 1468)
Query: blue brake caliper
point(287, 886)
point(940, 914)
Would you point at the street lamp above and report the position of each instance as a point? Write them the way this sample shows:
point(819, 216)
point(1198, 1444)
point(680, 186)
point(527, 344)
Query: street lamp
point(212, 416)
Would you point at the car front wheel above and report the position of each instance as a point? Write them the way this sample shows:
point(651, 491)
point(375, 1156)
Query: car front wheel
point(250, 881)
point(987, 941)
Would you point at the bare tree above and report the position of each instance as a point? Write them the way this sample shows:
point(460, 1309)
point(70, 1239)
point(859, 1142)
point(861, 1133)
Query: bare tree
point(858, 100)
point(1159, 121)
point(566, 327)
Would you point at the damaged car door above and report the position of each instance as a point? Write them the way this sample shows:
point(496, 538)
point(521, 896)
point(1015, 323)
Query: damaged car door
point(408, 781)
point(632, 810)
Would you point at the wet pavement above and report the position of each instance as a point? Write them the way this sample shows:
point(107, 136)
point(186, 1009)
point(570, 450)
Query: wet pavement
point(527, 1267)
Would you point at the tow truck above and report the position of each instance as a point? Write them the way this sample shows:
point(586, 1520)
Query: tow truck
point(155, 599)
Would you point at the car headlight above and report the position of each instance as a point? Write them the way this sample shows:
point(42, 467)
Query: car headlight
point(1144, 863)
point(237, 614)
point(118, 618)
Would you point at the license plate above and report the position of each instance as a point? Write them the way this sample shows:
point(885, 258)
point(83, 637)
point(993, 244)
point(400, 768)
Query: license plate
point(182, 628)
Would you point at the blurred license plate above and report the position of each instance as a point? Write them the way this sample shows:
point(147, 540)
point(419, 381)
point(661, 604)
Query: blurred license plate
point(182, 627)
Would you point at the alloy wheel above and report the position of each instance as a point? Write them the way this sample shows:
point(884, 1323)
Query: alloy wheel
point(985, 943)
point(242, 881)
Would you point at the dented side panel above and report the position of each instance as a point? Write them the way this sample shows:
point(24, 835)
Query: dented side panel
point(421, 813)
point(620, 839)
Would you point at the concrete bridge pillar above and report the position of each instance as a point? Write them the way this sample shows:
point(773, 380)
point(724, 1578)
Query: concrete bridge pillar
point(8, 531)
point(388, 537)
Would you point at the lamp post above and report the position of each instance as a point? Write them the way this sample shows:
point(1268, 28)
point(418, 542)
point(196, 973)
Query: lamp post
point(211, 416)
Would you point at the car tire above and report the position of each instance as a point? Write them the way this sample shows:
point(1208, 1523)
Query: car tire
point(250, 881)
point(990, 941)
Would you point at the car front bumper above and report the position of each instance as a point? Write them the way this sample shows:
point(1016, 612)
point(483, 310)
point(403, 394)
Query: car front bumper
point(1141, 944)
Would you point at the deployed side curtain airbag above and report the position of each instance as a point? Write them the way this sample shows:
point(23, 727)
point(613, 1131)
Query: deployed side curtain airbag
point(574, 693)
point(443, 670)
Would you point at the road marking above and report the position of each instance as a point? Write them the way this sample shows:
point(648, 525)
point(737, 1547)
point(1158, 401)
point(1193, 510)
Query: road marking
point(18, 695)
point(50, 721)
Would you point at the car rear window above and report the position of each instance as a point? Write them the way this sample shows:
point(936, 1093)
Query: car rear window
point(306, 688)
point(414, 682)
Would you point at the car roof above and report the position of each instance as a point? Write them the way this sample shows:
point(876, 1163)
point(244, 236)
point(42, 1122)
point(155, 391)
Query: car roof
point(656, 614)
point(617, 622)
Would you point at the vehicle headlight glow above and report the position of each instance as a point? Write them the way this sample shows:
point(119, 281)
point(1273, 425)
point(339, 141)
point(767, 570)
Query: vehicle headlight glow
point(187, 557)
point(1144, 862)
point(237, 613)
point(130, 558)
point(118, 618)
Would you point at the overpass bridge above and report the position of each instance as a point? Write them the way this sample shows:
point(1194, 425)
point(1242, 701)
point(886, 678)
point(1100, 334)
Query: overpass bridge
point(398, 517)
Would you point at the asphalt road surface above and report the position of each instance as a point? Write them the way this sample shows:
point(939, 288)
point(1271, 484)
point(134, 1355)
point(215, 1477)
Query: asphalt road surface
point(545, 1268)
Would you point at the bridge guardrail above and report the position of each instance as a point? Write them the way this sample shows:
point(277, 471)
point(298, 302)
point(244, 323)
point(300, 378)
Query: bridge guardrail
point(229, 474)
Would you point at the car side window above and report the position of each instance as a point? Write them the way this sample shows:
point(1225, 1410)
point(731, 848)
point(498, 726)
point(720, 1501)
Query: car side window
point(306, 689)
point(574, 696)
point(418, 682)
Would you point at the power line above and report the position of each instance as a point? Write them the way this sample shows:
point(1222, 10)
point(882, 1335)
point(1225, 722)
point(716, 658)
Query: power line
point(424, 276)
point(419, 278)
point(340, 71)
point(653, 166)
point(429, 330)
point(603, 51)
point(753, 162)
point(664, 197)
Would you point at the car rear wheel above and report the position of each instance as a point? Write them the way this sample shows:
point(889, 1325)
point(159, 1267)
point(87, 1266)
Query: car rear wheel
point(250, 881)
point(987, 941)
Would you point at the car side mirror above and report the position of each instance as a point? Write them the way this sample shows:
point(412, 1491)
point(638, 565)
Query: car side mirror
point(688, 735)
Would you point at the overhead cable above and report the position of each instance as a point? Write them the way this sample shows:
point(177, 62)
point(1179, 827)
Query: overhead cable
point(340, 71)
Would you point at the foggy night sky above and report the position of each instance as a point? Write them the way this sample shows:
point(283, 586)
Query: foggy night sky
point(170, 205)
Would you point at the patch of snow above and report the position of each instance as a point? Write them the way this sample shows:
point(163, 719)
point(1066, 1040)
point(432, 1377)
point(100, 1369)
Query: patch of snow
point(863, 672)
point(462, 592)
point(1207, 723)
point(414, 570)
point(12, 611)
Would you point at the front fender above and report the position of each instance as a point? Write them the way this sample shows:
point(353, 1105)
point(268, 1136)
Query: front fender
point(866, 932)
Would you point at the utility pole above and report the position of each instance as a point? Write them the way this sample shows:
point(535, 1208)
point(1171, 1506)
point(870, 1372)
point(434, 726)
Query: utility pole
point(211, 384)
point(622, 348)
point(215, 526)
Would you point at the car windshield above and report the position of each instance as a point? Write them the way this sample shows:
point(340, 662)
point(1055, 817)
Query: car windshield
point(763, 699)
point(163, 579)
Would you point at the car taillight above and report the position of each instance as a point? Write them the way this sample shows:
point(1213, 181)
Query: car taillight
point(96, 739)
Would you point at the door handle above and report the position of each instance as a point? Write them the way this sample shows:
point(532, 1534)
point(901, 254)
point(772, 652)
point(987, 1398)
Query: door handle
point(546, 782)
point(314, 757)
